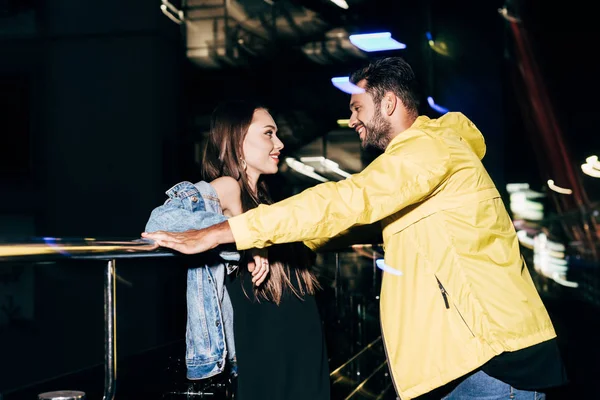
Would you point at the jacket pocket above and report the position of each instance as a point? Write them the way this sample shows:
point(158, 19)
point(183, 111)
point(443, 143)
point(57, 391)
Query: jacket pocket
point(447, 302)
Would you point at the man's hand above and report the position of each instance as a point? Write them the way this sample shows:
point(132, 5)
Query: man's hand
point(193, 241)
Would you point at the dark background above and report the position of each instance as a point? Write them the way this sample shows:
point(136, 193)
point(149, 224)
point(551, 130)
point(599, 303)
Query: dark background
point(102, 110)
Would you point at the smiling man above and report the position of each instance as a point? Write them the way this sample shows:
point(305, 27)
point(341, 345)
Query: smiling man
point(372, 126)
point(463, 319)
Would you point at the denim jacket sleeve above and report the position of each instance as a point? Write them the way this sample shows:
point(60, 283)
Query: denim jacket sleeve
point(185, 209)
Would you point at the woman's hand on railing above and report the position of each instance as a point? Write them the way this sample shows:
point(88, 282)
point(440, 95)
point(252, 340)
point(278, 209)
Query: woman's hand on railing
point(193, 241)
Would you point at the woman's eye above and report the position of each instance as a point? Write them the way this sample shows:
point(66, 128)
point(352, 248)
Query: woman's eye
point(269, 133)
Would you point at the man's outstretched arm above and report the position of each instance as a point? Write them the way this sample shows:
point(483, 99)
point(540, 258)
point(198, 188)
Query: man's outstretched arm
point(405, 174)
point(408, 172)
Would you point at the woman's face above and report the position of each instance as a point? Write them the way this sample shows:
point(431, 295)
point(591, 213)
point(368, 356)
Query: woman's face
point(261, 145)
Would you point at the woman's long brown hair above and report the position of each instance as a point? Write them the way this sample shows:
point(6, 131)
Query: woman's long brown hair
point(223, 155)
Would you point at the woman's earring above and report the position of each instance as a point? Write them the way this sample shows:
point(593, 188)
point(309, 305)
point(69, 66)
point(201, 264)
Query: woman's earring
point(244, 165)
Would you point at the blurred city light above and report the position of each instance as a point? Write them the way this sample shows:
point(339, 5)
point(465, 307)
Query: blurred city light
point(343, 83)
point(304, 169)
point(376, 42)
point(438, 46)
point(591, 167)
point(522, 202)
point(327, 164)
point(436, 107)
point(380, 263)
point(558, 189)
point(340, 3)
point(343, 123)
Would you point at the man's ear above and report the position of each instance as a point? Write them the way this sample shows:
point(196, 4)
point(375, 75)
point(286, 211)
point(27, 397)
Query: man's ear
point(390, 102)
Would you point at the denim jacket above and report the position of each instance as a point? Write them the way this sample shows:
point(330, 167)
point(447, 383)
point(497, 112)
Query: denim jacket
point(209, 331)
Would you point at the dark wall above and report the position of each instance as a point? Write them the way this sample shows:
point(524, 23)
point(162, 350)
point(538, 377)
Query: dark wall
point(92, 132)
point(470, 79)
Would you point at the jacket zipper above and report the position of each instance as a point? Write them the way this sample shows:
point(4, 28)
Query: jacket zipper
point(444, 293)
point(447, 303)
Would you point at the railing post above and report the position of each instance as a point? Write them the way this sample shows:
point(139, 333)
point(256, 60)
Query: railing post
point(375, 285)
point(110, 345)
point(338, 284)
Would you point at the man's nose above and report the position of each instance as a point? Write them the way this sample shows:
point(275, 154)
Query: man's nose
point(353, 121)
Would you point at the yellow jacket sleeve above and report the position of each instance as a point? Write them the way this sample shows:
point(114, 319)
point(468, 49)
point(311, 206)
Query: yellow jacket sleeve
point(413, 165)
point(362, 234)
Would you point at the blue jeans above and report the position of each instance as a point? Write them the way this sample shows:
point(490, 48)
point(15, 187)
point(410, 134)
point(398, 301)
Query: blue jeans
point(481, 386)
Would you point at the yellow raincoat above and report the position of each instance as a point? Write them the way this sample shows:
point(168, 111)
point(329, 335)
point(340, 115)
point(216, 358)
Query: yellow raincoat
point(465, 293)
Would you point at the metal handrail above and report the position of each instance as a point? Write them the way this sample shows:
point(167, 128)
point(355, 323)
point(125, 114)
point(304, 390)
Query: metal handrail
point(45, 249)
point(49, 248)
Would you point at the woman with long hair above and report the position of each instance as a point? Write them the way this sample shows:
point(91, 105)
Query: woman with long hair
point(279, 340)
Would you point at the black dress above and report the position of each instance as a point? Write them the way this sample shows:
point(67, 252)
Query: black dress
point(280, 349)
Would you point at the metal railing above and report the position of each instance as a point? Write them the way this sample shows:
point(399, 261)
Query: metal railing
point(42, 250)
point(47, 249)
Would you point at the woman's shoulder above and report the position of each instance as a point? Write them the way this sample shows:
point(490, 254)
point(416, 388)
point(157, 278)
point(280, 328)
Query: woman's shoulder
point(229, 192)
point(226, 186)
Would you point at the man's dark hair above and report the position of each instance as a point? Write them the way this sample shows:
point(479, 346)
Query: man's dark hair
point(391, 74)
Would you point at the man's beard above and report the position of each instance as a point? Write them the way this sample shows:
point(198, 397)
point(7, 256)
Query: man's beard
point(377, 132)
